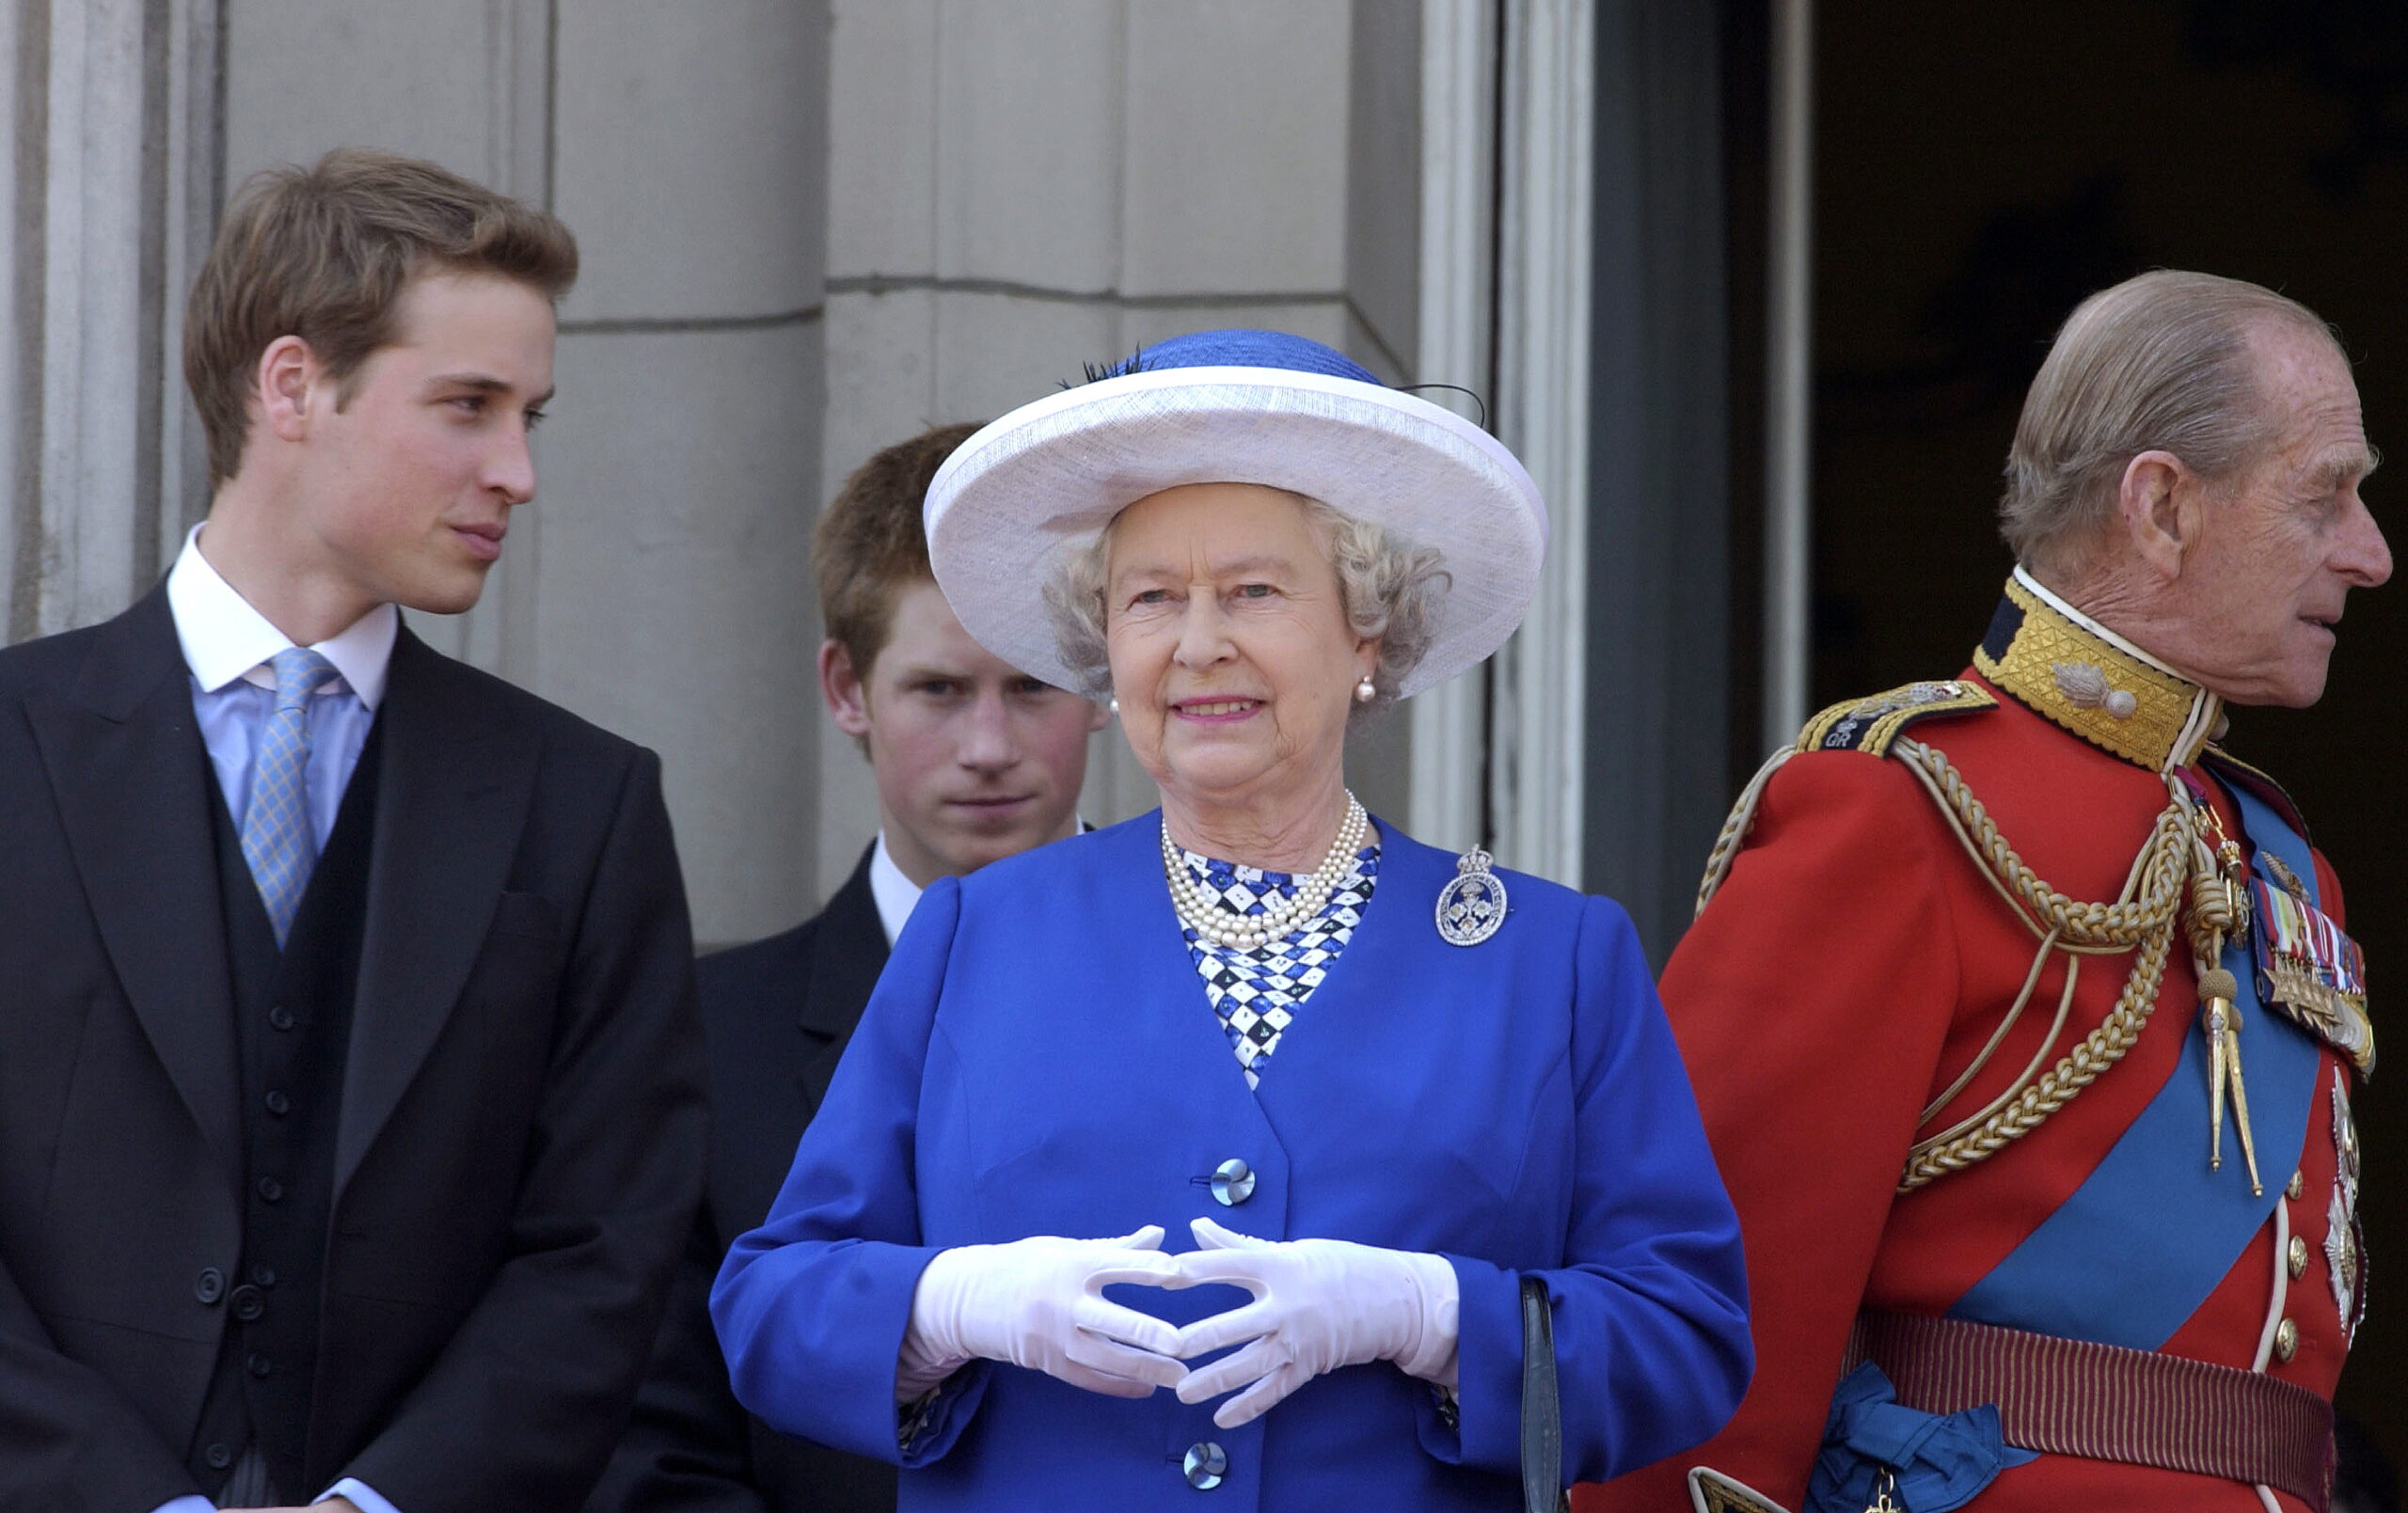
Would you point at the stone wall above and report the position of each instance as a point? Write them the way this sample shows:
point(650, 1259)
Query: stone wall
point(809, 228)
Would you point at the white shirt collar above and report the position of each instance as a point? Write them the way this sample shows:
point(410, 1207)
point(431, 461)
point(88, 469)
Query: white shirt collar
point(223, 638)
point(895, 894)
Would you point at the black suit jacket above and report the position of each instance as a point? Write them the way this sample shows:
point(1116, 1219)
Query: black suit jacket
point(520, 1125)
point(776, 1015)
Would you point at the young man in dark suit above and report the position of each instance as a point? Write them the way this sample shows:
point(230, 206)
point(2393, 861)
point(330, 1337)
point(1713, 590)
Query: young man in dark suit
point(350, 1089)
point(975, 760)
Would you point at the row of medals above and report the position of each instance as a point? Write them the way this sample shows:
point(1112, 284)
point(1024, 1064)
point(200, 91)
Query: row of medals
point(2221, 1021)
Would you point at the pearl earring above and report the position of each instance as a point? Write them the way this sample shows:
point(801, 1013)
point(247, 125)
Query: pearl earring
point(1115, 708)
point(1364, 691)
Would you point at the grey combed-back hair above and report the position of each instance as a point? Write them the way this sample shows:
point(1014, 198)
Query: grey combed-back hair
point(2158, 363)
point(1390, 587)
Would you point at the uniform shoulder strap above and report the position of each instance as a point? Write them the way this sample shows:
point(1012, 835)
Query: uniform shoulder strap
point(1872, 725)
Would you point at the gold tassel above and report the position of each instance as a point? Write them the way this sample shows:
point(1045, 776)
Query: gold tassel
point(2213, 1017)
point(2240, 1102)
point(2221, 1019)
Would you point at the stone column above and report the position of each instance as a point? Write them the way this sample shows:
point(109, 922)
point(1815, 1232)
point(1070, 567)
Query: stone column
point(1538, 761)
point(676, 600)
point(1457, 231)
point(101, 181)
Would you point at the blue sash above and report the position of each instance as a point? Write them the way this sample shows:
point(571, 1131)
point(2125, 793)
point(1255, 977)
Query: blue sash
point(2152, 1232)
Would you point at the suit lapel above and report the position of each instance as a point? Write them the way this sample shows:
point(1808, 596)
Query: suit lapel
point(849, 950)
point(450, 804)
point(125, 760)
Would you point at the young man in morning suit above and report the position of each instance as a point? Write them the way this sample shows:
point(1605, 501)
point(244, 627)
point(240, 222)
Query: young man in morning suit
point(350, 1092)
point(975, 760)
point(2022, 1014)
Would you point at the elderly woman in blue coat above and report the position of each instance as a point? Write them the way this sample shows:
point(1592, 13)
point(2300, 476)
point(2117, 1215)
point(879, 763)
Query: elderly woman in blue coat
point(1363, 1087)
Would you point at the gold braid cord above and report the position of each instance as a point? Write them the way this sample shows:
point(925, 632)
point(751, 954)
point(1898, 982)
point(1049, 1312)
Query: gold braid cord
point(2142, 921)
point(1734, 829)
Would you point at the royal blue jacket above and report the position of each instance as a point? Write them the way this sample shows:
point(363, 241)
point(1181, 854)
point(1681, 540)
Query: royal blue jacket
point(1040, 1059)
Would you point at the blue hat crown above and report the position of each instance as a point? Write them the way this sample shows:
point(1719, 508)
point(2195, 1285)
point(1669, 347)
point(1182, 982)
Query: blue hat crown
point(1238, 347)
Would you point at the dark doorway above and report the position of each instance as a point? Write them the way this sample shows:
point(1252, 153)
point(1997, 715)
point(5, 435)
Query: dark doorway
point(1979, 169)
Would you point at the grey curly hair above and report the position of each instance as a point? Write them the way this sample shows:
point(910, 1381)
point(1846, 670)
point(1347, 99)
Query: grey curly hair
point(1388, 585)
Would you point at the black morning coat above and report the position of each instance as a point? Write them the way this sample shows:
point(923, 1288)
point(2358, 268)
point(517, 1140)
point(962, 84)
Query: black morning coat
point(520, 1130)
point(776, 1015)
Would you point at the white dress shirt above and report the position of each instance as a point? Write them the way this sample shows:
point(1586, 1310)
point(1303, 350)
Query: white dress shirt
point(227, 645)
point(895, 894)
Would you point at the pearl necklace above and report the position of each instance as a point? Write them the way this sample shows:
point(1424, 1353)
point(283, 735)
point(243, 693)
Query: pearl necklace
point(1202, 910)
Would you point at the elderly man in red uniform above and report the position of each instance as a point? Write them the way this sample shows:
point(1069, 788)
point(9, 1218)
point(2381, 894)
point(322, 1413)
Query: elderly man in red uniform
point(2022, 1017)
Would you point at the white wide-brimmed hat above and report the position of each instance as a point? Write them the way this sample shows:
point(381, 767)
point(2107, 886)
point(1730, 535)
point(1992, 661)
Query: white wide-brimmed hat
point(1232, 407)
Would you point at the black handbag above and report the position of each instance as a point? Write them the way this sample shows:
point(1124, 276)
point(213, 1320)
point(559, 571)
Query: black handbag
point(1542, 1410)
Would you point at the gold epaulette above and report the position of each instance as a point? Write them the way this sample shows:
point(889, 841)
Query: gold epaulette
point(1870, 725)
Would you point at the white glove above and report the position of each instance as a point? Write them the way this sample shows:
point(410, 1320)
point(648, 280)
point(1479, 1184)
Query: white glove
point(1318, 1304)
point(1039, 1303)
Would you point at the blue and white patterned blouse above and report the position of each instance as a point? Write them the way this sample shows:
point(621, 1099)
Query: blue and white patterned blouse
point(1256, 991)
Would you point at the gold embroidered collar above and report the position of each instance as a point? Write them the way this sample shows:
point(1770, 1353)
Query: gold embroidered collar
point(2084, 676)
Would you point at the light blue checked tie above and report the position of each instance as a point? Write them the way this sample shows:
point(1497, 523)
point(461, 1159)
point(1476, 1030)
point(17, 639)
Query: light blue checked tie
point(276, 840)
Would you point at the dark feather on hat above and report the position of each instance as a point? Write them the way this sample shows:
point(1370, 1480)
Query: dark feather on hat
point(1097, 373)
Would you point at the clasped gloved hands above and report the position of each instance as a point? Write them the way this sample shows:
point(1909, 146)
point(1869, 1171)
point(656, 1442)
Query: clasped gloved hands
point(1039, 1303)
point(1318, 1304)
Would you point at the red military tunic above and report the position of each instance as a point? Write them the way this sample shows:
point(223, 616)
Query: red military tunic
point(1856, 960)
